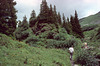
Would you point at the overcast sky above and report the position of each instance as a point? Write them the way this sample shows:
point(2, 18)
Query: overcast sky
point(68, 7)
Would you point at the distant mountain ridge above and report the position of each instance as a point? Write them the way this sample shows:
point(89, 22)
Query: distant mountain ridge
point(90, 20)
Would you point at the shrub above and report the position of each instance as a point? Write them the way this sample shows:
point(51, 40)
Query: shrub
point(21, 35)
point(43, 35)
point(98, 34)
point(32, 41)
point(61, 44)
point(60, 36)
point(3, 41)
point(86, 58)
point(62, 30)
point(50, 35)
point(88, 28)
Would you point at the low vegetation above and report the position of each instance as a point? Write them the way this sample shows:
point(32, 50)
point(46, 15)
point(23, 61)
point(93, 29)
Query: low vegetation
point(15, 53)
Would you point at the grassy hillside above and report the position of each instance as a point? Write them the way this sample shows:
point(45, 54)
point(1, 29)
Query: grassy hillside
point(15, 53)
point(90, 20)
point(44, 46)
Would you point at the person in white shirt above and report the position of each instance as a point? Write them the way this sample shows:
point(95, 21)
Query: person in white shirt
point(71, 50)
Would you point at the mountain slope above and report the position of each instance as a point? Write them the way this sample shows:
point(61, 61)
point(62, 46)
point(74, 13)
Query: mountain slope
point(90, 20)
point(15, 53)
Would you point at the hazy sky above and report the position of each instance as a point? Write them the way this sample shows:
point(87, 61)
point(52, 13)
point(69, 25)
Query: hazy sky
point(68, 7)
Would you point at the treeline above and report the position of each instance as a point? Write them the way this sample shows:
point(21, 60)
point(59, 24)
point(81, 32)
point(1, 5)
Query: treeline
point(48, 14)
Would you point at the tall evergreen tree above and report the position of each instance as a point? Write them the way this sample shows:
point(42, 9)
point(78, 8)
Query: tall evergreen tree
point(55, 15)
point(50, 14)
point(55, 10)
point(77, 26)
point(72, 22)
point(47, 15)
point(32, 19)
point(69, 23)
point(33, 15)
point(44, 9)
point(64, 21)
point(7, 16)
point(21, 32)
point(51, 11)
point(25, 24)
point(59, 18)
point(68, 26)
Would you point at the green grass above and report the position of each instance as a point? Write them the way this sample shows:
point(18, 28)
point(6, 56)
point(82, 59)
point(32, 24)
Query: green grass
point(15, 53)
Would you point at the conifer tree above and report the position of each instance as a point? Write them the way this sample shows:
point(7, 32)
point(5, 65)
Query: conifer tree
point(55, 10)
point(33, 15)
point(76, 28)
point(55, 15)
point(50, 14)
point(72, 22)
point(44, 9)
point(51, 9)
point(59, 19)
point(21, 32)
point(32, 19)
point(64, 21)
point(25, 24)
point(98, 33)
point(7, 16)
point(68, 26)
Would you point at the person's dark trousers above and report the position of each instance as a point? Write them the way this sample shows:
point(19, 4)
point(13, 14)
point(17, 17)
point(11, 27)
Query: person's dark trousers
point(71, 54)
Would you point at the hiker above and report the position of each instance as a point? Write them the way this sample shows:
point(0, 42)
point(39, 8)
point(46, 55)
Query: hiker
point(71, 50)
point(85, 45)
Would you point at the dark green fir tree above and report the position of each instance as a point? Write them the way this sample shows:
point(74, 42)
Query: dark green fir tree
point(64, 21)
point(76, 27)
point(59, 19)
point(32, 19)
point(44, 10)
point(21, 32)
point(7, 16)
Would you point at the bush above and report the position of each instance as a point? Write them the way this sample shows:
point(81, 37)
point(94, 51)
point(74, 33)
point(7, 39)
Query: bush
point(20, 54)
point(98, 34)
point(3, 41)
point(32, 41)
point(21, 35)
point(50, 35)
point(86, 58)
point(60, 36)
point(88, 28)
point(61, 44)
point(62, 30)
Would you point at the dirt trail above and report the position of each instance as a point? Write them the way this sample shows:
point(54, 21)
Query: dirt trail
point(72, 62)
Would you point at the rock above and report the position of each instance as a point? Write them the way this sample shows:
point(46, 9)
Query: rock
point(76, 65)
